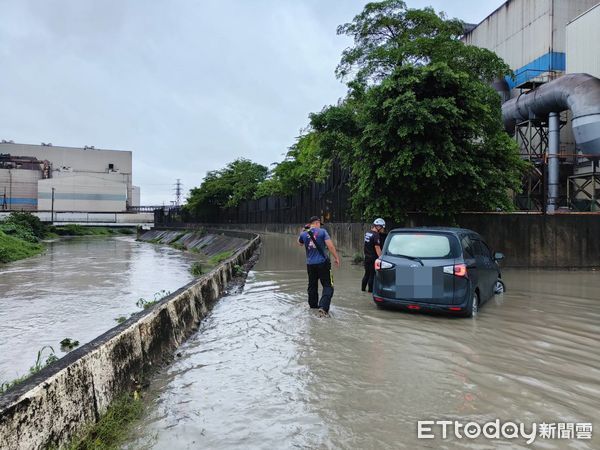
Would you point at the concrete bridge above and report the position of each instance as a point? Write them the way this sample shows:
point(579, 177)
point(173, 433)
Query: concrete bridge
point(105, 219)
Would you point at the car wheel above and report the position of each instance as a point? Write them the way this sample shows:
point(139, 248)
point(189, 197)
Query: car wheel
point(473, 306)
point(499, 288)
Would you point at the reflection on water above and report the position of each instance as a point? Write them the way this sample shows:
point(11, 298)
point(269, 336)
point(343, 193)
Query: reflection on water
point(77, 289)
point(264, 372)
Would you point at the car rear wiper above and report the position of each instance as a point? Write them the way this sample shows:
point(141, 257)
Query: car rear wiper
point(412, 258)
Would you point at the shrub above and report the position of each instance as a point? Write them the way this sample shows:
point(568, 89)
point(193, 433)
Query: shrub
point(216, 259)
point(29, 222)
point(196, 269)
point(12, 248)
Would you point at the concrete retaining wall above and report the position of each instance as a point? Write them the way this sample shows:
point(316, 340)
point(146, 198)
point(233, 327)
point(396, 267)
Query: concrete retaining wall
point(206, 242)
point(57, 403)
point(527, 240)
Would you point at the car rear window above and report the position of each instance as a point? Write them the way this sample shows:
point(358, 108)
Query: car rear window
point(420, 245)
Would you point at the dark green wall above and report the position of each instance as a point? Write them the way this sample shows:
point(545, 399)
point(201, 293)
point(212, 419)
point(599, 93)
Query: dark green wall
point(527, 240)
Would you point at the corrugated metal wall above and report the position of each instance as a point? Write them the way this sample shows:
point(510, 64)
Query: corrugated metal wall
point(564, 12)
point(529, 34)
point(19, 189)
point(518, 31)
point(82, 193)
point(583, 43)
point(71, 160)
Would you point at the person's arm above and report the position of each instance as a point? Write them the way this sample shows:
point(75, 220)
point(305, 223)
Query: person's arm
point(300, 240)
point(378, 250)
point(331, 248)
point(377, 243)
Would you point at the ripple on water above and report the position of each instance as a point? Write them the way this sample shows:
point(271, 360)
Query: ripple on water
point(77, 289)
point(264, 372)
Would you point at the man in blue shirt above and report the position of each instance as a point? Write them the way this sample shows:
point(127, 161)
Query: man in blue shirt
point(316, 242)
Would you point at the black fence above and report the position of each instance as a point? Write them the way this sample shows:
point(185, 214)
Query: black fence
point(330, 200)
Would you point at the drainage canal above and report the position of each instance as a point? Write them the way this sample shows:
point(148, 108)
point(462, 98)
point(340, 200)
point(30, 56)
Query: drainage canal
point(264, 372)
point(78, 289)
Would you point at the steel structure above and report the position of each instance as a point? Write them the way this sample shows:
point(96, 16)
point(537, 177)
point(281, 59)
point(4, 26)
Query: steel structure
point(583, 190)
point(532, 138)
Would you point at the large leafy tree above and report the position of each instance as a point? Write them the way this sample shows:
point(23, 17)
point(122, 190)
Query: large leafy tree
point(304, 162)
point(431, 141)
point(238, 181)
point(388, 35)
point(420, 128)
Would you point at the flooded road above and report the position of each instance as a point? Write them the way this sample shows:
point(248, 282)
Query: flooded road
point(265, 372)
point(76, 290)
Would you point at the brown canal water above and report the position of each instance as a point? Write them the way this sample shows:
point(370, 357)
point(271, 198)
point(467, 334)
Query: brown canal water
point(263, 371)
point(76, 290)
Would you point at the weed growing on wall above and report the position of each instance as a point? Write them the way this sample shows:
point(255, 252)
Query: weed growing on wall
point(158, 296)
point(39, 364)
point(113, 427)
point(68, 344)
point(196, 269)
point(219, 257)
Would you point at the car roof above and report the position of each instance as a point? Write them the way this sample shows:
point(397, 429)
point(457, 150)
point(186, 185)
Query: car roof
point(451, 230)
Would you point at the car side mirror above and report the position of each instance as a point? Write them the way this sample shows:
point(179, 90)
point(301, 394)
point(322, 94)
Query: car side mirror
point(498, 256)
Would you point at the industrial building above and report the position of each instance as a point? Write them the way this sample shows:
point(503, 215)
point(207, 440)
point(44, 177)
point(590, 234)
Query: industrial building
point(542, 41)
point(46, 177)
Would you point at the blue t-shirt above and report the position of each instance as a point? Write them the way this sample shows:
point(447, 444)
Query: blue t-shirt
point(312, 254)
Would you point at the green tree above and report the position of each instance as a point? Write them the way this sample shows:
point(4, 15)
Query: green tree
point(420, 128)
point(388, 35)
point(238, 181)
point(432, 141)
point(304, 163)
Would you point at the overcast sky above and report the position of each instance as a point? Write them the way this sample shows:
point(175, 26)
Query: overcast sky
point(187, 85)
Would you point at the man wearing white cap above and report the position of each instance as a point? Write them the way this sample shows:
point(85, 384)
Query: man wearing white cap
point(372, 251)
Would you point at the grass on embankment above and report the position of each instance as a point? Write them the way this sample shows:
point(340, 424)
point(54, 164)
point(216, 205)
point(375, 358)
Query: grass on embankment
point(21, 233)
point(113, 427)
point(80, 230)
point(39, 364)
point(13, 248)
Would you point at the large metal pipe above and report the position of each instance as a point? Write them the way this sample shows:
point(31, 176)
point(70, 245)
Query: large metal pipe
point(578, 92)
point(553, 148)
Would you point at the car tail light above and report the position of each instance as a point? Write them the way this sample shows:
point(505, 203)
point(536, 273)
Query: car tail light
point(455, 308)
point(378, 299)
point(380, 264)
point(414, 307)
point(459, 270)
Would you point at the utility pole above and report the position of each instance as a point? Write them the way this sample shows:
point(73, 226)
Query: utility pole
point(178, 191)
point(52, 213)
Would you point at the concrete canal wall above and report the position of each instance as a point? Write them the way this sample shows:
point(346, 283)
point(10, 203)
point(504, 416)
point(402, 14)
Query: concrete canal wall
point(208, 242)
point(58, 402)
point(528, 240)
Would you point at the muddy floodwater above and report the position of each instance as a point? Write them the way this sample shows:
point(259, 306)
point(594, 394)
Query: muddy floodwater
point(76, 290)
point(265, 372)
